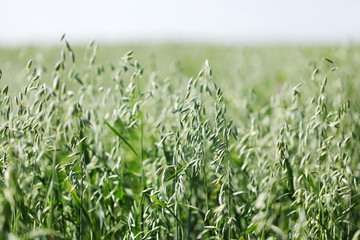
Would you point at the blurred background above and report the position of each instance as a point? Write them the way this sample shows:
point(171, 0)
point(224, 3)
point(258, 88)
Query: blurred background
point(201, 21)
point(251, 45)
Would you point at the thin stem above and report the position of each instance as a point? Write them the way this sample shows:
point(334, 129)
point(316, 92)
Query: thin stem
point(175, 190)
point(229, 192)
point(81, 194)
point(53, 183)
point(143, 183)
point(228, 178)
point(204, 179)
point(142, 174)
point(189, 224)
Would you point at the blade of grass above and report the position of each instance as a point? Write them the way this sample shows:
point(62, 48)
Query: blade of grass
point(120, 136)
point(114, 229)
point(201, 213)
point(78, 203)
point(347, 211)
point(175, 174)
point(311, 183)
point(163, 205)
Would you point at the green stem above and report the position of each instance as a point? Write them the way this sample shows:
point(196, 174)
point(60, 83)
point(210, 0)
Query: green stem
point(189, 224)
point(81, 195)
point(228, 177)
point(229, 192)
point(204, 179)
point(175, 190)
point(142, 174)
point(52, 184)
point(143, 182)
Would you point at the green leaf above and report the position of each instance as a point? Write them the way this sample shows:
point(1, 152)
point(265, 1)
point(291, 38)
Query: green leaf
point(175, 174)
point(182, 168)
point(251, 229)
point(311, 183)
point(290, 178)
point(163, 205)
point(120, 136)
point(78, 202)
point(201, 213)
point(166, 153)
point(347, 211)
point(114, 229)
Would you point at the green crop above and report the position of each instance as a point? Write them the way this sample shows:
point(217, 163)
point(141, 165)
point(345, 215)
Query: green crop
point(99, 150)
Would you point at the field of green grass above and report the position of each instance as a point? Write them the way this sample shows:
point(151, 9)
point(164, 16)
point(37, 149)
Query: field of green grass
point(180, 142)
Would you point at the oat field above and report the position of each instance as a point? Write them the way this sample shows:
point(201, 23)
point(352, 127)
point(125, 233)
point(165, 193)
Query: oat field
point(179, 142)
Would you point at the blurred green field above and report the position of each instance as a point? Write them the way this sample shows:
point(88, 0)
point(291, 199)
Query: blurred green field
point(180, 142)
point(263, 69)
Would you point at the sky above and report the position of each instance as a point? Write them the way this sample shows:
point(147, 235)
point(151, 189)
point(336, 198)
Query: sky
point(24, 22)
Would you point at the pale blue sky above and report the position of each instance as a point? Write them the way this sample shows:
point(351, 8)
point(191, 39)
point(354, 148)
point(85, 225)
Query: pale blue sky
point(223, 21)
